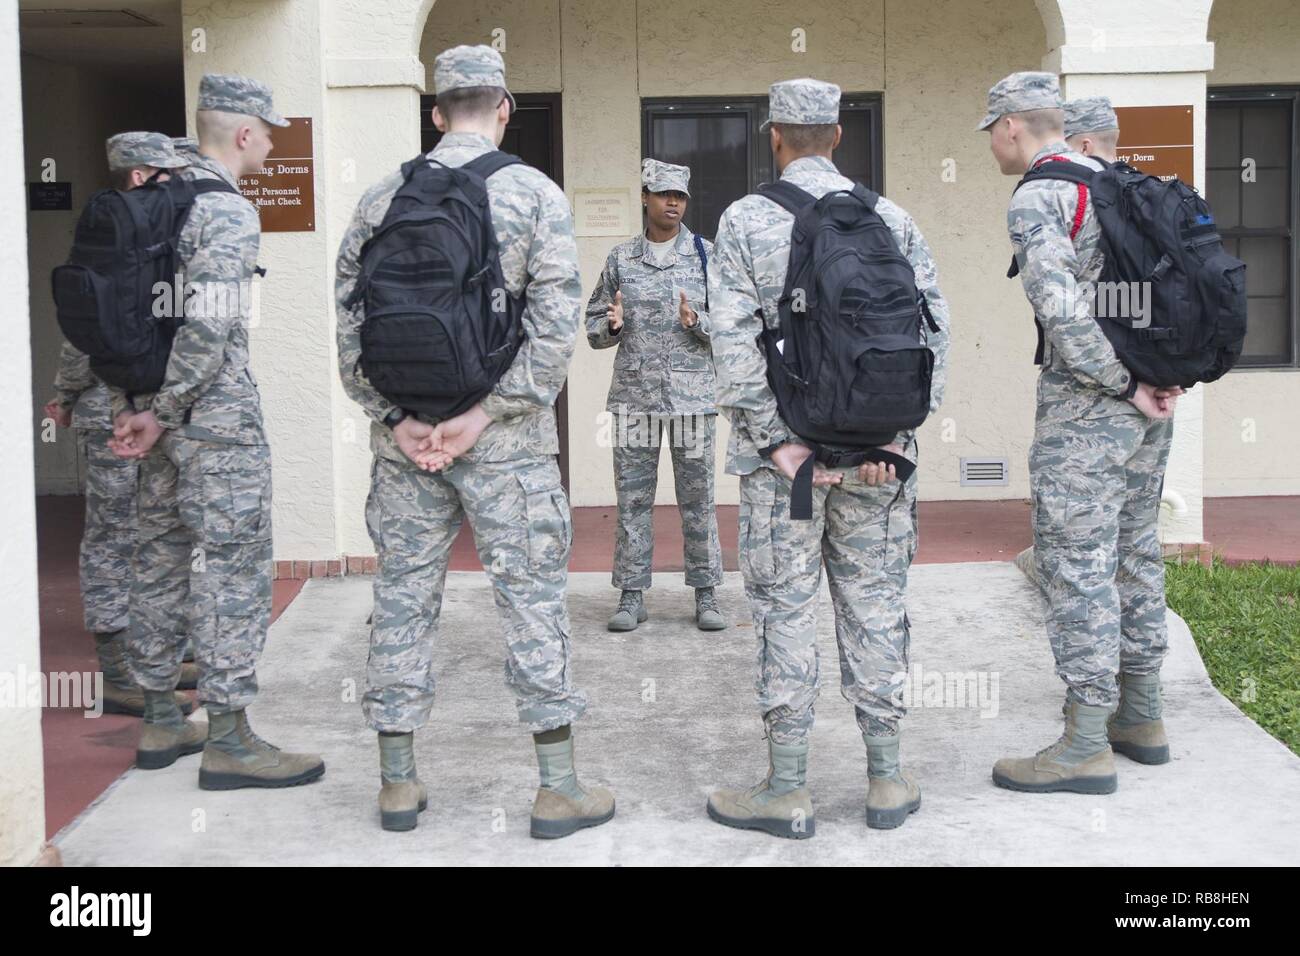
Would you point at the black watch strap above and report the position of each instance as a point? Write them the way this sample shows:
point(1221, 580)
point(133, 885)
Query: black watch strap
point(395, 417)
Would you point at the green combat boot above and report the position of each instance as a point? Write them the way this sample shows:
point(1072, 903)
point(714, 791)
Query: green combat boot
point(631, 612)
point(708, 617)
point(1081, 761)
point(166, 734)
point(235, 757)
point(562, 806)
point(1136, 729)
point(891, 794)
point(780, 804)
point(402, 798)
point(121, 694)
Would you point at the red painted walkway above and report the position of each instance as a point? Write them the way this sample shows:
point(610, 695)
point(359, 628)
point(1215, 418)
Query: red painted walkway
point(82, 757)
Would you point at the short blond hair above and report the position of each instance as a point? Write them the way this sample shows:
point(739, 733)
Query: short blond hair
point(1044, 122)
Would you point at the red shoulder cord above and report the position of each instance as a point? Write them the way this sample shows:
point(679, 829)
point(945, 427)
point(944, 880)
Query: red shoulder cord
point(1083, 195)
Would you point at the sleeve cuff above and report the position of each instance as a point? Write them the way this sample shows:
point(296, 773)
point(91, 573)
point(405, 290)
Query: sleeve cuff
point(495, 407)
point(166, 416)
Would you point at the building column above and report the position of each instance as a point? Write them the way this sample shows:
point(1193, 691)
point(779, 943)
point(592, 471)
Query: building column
point(292, 335)
point(22, 780)
point(1153, 53)
point(373, 80)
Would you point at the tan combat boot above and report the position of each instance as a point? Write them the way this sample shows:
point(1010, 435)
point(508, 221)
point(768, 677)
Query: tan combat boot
point(121, 694)
point(166, 734)
point(562, 806)
point(780, 804)
point(891, 794)
point(402, 798)
point(235, 757)
point(1081, 761)
point(1137, 729)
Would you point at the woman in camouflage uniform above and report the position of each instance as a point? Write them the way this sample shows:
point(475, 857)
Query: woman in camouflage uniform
point(651, 303)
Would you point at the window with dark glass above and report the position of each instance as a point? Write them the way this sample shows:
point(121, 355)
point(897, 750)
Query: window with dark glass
point(1251, 142)
point(719, 139)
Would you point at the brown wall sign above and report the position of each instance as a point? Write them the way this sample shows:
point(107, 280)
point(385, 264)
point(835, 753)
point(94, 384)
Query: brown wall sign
point(284, 192)
point(1157, 140)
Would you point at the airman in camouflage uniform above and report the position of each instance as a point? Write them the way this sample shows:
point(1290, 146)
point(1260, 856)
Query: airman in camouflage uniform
point(81, 401)
point(650, 303)
point(1084, 119)
point(1101, 440)
point(494, 465)
point(863, 525)
point(204, 553)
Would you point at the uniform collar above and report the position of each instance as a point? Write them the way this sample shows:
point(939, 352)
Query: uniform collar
point(1051, 149)
point(464, 141)
point(806, 166)
point(683, 245)
point(216, 167)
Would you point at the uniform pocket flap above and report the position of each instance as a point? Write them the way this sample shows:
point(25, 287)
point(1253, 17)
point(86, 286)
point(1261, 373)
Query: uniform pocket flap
point(538, 480)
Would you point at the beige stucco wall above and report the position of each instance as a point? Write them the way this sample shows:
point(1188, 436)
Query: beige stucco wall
point(22, 785)
point(1251, 446)
point(292, 334)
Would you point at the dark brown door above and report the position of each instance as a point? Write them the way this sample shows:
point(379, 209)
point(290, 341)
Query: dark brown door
point(533, 135)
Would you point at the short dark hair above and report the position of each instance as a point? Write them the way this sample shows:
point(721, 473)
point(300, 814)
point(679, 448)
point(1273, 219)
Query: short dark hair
point(803, 138)
point(469, 102)
point(121, 178)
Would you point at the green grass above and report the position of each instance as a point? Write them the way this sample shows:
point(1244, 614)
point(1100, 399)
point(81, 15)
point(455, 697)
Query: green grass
point(1246, 622)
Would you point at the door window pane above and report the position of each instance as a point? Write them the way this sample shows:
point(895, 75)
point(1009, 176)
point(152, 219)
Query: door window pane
point(716, 148)
point(729, 157)
point(1257, 213)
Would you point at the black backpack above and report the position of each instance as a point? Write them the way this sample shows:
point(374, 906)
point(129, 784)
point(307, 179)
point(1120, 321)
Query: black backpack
point(1161, 245)
point(440, 328)
point(106, 295)
point(849, 369)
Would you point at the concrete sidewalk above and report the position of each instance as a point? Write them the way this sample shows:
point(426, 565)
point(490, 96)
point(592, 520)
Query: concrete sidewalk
point(672, 716)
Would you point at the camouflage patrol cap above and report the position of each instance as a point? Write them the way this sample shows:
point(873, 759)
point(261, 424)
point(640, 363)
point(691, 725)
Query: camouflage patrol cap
point(804, 102)
point(126, 150)
point(1019, 93)
point(465, 66)
point(657, 177)
point(183, 145)
point(1089, 115)
point(232, 93)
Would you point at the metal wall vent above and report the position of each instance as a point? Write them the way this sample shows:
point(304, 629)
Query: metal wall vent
point(985, 472)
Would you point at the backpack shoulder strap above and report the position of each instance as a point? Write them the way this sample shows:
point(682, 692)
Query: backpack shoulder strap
point(868, 196)
point(1060, 170)
point(787, 195)
point(213, 186)
point(411, 166)
point(704, 267)
point(492, 162)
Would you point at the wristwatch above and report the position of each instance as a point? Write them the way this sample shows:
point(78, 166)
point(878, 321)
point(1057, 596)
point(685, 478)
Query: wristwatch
point(395, 417)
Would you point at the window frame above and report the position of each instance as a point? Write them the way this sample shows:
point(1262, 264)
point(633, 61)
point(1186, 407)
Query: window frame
point(760, 168)
point(1271, 93)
